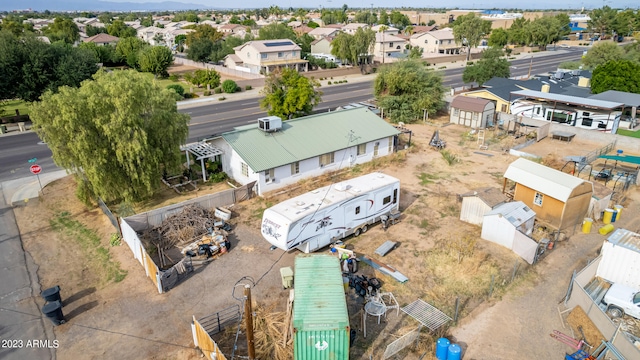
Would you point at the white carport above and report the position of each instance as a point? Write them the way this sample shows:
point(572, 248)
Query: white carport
point(201, 151)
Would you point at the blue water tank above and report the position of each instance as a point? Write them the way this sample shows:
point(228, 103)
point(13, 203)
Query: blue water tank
point(442, 346)
point(454, 353)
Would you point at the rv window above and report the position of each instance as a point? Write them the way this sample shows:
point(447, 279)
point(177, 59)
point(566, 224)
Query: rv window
point(357, 210)
point(362, 149)
point(386, 200)
point(586, 114)
point(537, 199)
point(587, 122)
point(395, 196)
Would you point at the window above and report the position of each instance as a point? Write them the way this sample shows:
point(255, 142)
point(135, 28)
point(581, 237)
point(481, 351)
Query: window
point(386, 200)
point(326, 159)
point(263, 56)
point(390, 45)
point(456, 112)
point(280, 54)
point(269, 175)
point(245, 169)
point(587, 122)
point(503, 108)
point(357, 210)
point(376, 147)
point(426, 41)
point(294, 53)
point(362, 149)
point(295, 168)
point(395, 196)
point(449, 42)
point(537, 199)
point(475, 116)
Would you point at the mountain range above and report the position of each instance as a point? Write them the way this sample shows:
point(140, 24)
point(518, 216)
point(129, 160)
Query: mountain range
point(83, 5)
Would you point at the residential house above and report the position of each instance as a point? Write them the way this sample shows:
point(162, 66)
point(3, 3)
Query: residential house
point(476, 113)
point(152, 35)
point(477, 203)
point(387, 46)
point(264, 56)
point(233, 29)
point(103, 39)
point(510, 225)
point(301, 30)
point(560, 200)
point(282, 153)
point(322, 32)
point(322, 45)
point(389, 30)
point(352, 27)
point(437, 42)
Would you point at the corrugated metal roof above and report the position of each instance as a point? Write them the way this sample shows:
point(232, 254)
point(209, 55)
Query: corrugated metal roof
point(625, 238)
point(630, 99)
point(543, 179)
point(306, 137)
point(572, 100)
point(320, 302)
point(469, 103)
point(516, 212)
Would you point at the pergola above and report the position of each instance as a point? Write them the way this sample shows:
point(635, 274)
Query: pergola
point(201, 151)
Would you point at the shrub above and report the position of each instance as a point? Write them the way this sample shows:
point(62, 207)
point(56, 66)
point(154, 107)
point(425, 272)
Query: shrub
point(222, 98)
point(190, 95)
point(206, 93)
point(174, 77)
point(248, 87)
point(115, 240)
point(177, 88)
point(218, 177)
point(229, 86)
point(217, 90)
point(329, 82)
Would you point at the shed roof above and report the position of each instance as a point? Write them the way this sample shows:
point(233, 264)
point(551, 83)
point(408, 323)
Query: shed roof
point(625, 238)
point(630, 99)
point(469, 103)
point(516, 212)
point(489, 195)
point(572, 100)
point(102, 38)
point(320, 303)
point(543, 179)
point(307, 137)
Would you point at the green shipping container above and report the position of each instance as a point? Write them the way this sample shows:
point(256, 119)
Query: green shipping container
point(320, 316)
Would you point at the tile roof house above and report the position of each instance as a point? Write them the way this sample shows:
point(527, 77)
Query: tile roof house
point(437, 42)
point(387, 45)
point(352, 27)
point(322, 45)
point(264, 56)
point(103, 39)
point(304, 147)
point(320, 32)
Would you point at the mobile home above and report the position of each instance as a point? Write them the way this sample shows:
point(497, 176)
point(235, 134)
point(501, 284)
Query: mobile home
point(315, 219)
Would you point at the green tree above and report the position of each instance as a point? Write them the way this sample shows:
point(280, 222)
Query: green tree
point(156, 60)
point(406, 88)
point(94, 30)
point(275, 31)
point(499, 37)
point(203, 77)
point(204, 32)
point(384, 17)
point(601, 53)
point(229, 86)
point(72, 65)
point(469, 30)
point(415, 52)
point(620, 75)
point(200, 50)
point(366, 17)
point(234, 20)
point(62, 29)
point(177, 88)
point(289, 94)
point(120, 29)
point(492, 64)
point(399, 19)
point(519, 32)
point(128, 49)
point(313, 24)
point(117, 134)
point(12, 60)
point(602, 21)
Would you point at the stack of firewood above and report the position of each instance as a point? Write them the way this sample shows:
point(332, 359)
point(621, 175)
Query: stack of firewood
point(189, 224)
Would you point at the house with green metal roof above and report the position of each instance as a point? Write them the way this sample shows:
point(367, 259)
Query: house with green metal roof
point(275, 153)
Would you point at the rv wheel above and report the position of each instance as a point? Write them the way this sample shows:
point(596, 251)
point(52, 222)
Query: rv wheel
point(364, 229)
point(356, 233)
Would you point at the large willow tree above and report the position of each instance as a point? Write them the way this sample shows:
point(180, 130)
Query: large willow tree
point(117, 133)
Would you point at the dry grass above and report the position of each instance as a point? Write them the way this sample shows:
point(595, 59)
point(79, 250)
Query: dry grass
point(268, 326)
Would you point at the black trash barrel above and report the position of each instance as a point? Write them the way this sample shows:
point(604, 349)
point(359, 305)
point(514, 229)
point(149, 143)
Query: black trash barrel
point(53, 310)
point(52, 294)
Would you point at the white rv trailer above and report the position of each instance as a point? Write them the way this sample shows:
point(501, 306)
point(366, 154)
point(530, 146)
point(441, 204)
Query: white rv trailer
point(315, 219)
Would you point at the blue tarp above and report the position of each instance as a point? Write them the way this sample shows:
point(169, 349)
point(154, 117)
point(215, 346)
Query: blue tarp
point(622, 158)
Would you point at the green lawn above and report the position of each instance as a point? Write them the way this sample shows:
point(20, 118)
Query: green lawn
point(164, 82)
point(630, 133)
point(10, 108)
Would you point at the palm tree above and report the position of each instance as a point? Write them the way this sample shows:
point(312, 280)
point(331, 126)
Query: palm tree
point(382, 29)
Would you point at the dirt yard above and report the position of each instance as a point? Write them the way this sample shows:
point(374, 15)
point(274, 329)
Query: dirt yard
point(108, 300)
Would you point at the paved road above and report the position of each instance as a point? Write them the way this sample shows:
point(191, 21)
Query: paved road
point(21, 321)
point(216, 117)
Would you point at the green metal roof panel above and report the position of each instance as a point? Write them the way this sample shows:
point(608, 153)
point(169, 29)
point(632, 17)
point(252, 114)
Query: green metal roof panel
point(320, 302)
point(307, 137)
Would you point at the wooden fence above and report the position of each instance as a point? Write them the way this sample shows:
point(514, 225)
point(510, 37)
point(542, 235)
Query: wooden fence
point(204, 342)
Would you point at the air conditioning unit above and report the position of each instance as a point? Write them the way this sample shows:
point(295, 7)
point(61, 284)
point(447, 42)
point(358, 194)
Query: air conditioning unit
point(270, 123)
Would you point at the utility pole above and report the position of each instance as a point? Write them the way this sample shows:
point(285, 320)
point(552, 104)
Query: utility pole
point(530, 66)
point(248, 313)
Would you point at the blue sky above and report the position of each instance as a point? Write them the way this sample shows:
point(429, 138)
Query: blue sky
point(468, 4)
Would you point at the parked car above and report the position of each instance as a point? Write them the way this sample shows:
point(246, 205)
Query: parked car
point(564, 46)
point(621, 300)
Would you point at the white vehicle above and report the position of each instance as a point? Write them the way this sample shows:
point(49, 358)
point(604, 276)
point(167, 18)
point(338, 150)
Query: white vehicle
point(315, 219)
point(621, 299)
point(571, 116)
